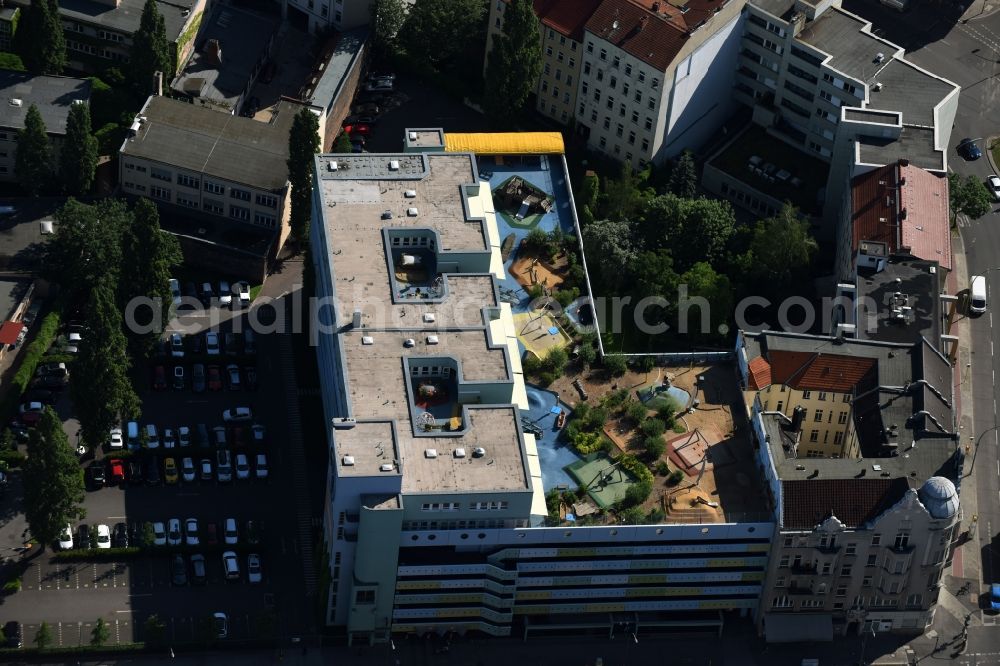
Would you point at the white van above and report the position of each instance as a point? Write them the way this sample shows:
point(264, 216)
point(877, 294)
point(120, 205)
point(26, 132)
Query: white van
point(977, 295)
point(132, 431)
point(152, 437)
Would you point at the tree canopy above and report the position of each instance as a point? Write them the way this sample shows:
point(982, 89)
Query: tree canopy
point(388, 17)
point(303, 144)
point(53, 480)
point(78, 157)
point(780, 250)
point(87, 244)
point(437, 31)
point(39, 38)
point(102, 391)
point(694, 229)
point(33, 164)
point(611, 248)
point(968, 196)
point(150, 50)
point(513, 64)
point(683, 177)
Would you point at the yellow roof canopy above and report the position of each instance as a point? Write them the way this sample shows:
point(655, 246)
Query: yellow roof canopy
point(505, 143)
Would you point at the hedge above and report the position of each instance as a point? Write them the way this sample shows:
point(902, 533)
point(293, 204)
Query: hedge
point(632, 465)
point(12, 458)
point(33, 353)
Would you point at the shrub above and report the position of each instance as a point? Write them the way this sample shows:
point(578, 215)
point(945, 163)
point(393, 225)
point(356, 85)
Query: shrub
point(616, 365)
point(654, 516)
point(547, 377)
point(47, 332)
point(632, 465)
point(655, 446)
point(662, 468)
point(636, 412)
point(96, 554)
point(556, 360)
point(12, 586)
point(615, 398)
point(637, 494)
point(11, 61)
point(652, 427)
point(567, 296)
point(587, 353)
point(537, 241)
point(675, 477)
point(12, 458)
point(633, 515)
point(536, 291)
point(531, 364)
point(589, 442)
point(647, 363)
point(679, 428)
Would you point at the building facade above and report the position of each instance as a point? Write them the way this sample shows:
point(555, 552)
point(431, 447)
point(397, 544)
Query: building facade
point(53, 96)
point(862, 538)
point(196, 163)
point(9, 17)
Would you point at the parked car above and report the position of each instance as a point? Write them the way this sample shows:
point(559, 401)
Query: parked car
point(199, 576)
point(116, 441)
point(230, 533)
point(119, 536)
point(206, 293)
point(159, 535)
point(259, 434)
point(159, 378)
point(84, 536)
point(219, 436)
point(178, 570)
point(206, 470)
point(214, 378)
point(212, 343)
point(170, 475)
point(968, 149)
point(103, 536)
point(241, 295)
point(250, 374)
point(242, 466)
point(117, 468)
point(360, 129)
point(379, 86)
point(153, 471)
point(198, 378)
point(31, 412)
point(204, 441)
point(176, 345)
point(236, 414)
point(174, 532)
point(95, 475)
point(249, 348)
point(175, 292)
point(52, 370)
point(260, 469)
point(184, 437)
point(233, 376)
point(993, 185)
point(231, 344)
point(225, 294)
point(179, 382)
point(191, 531)
point(169, 440)
point(41, 395)
point(361, 119)
point(134, 472)
point(230, 565)
point(368, 109)
point(66, 538)
point(187, 470)
point(254, 574)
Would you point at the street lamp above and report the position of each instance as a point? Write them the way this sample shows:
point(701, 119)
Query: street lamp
point(975, 451)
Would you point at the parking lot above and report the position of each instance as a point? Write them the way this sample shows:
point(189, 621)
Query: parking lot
point(71, 595)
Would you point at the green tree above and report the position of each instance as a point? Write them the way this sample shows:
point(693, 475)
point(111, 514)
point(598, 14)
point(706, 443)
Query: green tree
point(703, 282)
point(53, 480)
point(34, 153)
point(694, 229)
point(622, 197)
point(968, 196)
point(150, 50)
point(513, 64)
point(43, 638)
point(87, 244)
point(636, 412)
point(655, 446)
point(78, 157)
point(39, 38)
point(149, 256)
point(342, 144)
point(437, 31)
point(637, 493)
point(653, 427)
point(102, 391)
point(611, 247)
point(587, 353)
point(633, 515)
point(683, 177)
point(781, 249)
point(100, 634)
point(303, 144)
point(615, 364)
point(388, 17)
point(12, 61)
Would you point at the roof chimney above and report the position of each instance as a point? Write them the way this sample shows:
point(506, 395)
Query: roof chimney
point(213, 49)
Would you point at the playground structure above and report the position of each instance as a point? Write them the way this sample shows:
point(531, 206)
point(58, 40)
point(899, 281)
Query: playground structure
point(540, 332)
point(521, 203)
point(530, 271)
point(604, 479)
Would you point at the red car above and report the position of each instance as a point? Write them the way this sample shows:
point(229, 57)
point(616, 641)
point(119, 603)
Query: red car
point(363, 130)
point(159, 378)
point(211, 534)
point(214, 378)
point(238, 435)
point(117, 471)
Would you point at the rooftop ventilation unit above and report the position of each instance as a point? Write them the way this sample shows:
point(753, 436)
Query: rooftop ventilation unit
point(387, 215)
point(356, 319)
point(411, 212)
point(877, 86)
point(412, 136)
point(331, 165)
point(460, 453)
point(478, 452)
point(430, 453)
point(367, 340)
point(409, 342)
point(386, 467)
point(429, 318)
point(393, 165)
point(347, 461)
point(879, 57)
point(410, 194)
point(16, 102)
point(432, 339)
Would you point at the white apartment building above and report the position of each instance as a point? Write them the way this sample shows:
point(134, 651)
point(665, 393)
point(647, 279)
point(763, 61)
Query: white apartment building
point(52, 96)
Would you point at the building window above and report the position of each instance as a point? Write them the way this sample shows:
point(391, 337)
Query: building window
point(620, 130)
point(566, 98)
point(866, 581)
point(783, 562)
point(901, 541)
point(846, 570)
point(842, 418)
point(264, 220)
point(914, 601)
point(559, 56)
point(188, 181)
point(621, 110)
point(607, 122)
point(610, 102)
point(806, 395)
point(645, 145)
point(652, 103)
point(593, 116)
point(364, 597)
point(852, 549)
point(239, 213)
point(649, 123)
point(597, 95)
point(642, 76)
point(624, 89)
point(603, 55)
point(631, 138)
point(614, 82)
point(838, 438)
point(590, 47)
point(214, 188)
point(547, 68)
point(586, 68)
point(583, 108)
point(818, 416)
point(159, 193)
point(184, 201)
point(267, 200)
point(558, 74)
point(655, 84)
point(635, 117)
point(242, 195)
point(548, 50)
point(617, 62)
point(603, 142)
point(584, 88)
point(337, 16)
point(638, 96)
point(841, 591)
point(814, 436)
point(781, 602)
point(628, 70)
point(876, 539)
point(545, 86)
point(161, 174)
point(822, 395)
point(600, 75)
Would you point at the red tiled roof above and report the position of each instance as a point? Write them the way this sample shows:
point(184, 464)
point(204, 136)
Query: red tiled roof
point(567, 17)
point(760, 373)
point(806, 371)
point(808, 502)
point(9, 331)
point(925, 233)
point(654, 38)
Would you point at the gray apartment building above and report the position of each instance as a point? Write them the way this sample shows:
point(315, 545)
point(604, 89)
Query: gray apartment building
point(863, 536)
point(52, 95)
point(219, 180)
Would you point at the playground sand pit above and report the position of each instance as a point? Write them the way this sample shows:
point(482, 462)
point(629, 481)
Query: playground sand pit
point(699, 449)
point(539, 332)
point(529, 271)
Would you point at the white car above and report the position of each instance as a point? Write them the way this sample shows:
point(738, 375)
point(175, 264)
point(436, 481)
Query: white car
point(116, 441)
point(242, 466)
point(229, 532)
point(169, 441)
point(184, 436)
point(176, 345)
point(258, 432)
point(261, 468)
point(225, 294)
point(241, 291)
point(254, 575)
point(221, 625)
point(191, 532)
point(174, 537)
point(66, 538)
point(103, 536)
point(187, 470)
point(993, 185)
point(212, 343)
point(379, 85)
point(233, 374)
point(237, 414)
point(175, 292)
point(159, 535)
